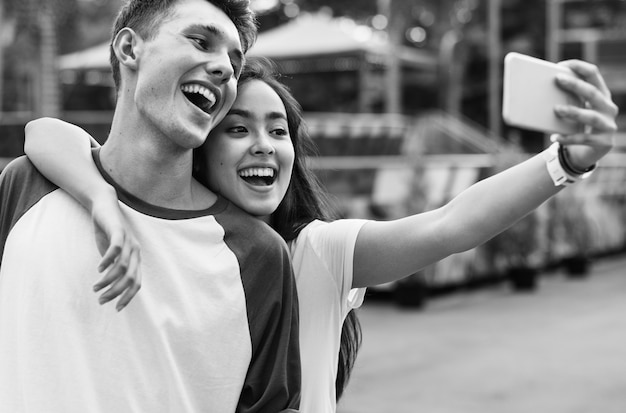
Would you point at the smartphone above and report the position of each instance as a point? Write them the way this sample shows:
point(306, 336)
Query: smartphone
point(531, 92)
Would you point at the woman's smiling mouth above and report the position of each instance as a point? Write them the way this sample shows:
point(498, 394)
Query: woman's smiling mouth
point(258, 176)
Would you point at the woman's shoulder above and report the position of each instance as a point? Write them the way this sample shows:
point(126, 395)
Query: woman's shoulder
point(327, 235)
point(339, 227)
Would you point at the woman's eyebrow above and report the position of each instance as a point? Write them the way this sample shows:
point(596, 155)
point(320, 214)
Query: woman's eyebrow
point(240, 112)
point(276, 115)
point(248, 114)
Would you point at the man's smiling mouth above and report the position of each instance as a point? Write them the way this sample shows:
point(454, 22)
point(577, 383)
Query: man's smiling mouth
point(258, 176)
point(200, 96)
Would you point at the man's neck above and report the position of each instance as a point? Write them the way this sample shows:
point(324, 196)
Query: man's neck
point(153, 168)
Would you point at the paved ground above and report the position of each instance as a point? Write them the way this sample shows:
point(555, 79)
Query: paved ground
point(559, 350)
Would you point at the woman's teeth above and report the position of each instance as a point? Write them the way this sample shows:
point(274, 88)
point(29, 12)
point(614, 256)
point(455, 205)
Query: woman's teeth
point(258, 176)
point(256, 172)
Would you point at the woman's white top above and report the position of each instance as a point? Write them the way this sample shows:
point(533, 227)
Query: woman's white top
point(322, 257)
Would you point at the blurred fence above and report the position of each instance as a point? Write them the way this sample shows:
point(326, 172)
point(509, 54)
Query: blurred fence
point(388, 166)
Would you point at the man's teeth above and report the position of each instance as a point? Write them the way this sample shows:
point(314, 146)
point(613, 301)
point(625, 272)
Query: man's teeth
point(256, 172)
point(201, 90)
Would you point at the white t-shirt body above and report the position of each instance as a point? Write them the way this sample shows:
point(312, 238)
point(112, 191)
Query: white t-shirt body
point(322, 257)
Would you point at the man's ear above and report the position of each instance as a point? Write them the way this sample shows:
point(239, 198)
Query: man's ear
point(127, 45)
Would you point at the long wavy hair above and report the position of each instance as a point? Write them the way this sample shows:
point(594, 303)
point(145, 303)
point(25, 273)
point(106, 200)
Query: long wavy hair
point(305, 200)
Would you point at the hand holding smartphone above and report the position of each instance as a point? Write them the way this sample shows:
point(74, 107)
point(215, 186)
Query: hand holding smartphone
point(531, 93)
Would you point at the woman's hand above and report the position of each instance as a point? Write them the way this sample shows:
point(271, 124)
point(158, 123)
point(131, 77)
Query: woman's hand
point(597, 115)
point(119, 249)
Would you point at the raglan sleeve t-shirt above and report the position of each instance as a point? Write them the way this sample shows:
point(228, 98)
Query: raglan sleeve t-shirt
point(213, 328)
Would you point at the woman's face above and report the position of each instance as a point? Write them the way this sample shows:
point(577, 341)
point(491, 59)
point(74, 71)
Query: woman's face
point(249, 154)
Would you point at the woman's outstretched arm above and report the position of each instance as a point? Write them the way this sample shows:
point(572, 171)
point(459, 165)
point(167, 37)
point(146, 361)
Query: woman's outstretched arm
point(62, 153)
point(387, 251)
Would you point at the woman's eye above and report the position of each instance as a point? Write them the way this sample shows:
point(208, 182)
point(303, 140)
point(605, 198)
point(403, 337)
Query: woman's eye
point(237, 129)
point(280, 132)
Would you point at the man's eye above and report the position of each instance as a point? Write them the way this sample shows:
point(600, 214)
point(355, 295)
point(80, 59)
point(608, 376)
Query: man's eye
point(200, 41)
point(236, 70)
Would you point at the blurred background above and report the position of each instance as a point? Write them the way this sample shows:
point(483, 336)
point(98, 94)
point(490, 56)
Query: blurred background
point(403, 99)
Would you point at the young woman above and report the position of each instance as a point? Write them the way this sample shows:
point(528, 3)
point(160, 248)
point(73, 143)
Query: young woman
point(256, 158)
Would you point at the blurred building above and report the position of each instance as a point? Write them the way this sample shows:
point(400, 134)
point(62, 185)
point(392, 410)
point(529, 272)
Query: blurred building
point(594, 31)
point(330, 64)
point(384, 165)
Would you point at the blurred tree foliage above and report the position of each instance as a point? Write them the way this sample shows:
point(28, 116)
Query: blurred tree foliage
point(95, 19)
point(358, 10)
point(83, 23)
point(77, 24)
point(523, 29)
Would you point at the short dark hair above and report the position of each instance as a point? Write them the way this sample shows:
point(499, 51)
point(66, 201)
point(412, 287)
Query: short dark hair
point(145, 16)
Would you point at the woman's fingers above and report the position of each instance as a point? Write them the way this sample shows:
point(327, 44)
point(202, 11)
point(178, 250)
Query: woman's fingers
point(124, 279)
point(597, 115)
point(588, 72)
point(120, 253)
point(598, 112)
point(597, 121)
point(118, 269)
point(591, 87)
point(113, 251)
point(132, 285)
point(124, 287)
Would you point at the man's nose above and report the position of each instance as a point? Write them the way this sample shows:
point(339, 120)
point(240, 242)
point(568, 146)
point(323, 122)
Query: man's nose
point(220, 68)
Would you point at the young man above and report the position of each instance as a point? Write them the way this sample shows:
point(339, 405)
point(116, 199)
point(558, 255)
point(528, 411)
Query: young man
point(215, 326)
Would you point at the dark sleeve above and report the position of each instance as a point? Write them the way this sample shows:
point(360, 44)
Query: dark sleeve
point(274, 377)
point(21, 186)
point(272, 383)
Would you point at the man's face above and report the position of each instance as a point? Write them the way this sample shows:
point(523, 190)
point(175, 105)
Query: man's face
point(187, 74)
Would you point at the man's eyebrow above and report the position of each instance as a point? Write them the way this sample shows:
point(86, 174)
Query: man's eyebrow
point(210, 28)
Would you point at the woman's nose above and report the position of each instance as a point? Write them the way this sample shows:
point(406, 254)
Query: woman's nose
point(263, 145)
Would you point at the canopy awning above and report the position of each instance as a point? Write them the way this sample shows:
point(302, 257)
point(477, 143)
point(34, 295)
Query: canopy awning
point(92, 58)
point(306, 36)
point(317, 34)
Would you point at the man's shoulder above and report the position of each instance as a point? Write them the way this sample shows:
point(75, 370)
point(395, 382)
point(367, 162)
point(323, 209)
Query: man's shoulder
point(256, 233)
point(245, 220)
point(21, 187)
point(18, 166)
point(20, 171)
